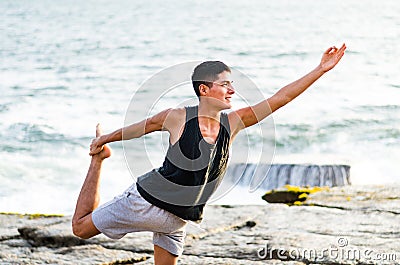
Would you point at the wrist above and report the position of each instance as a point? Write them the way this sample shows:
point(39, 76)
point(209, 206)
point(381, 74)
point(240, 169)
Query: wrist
point(320, 70)
point(102, 140)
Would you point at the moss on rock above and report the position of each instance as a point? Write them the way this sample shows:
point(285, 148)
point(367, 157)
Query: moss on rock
point(32, 215)
point(291, 195)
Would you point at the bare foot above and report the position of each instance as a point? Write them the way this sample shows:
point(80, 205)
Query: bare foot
point(106, 151)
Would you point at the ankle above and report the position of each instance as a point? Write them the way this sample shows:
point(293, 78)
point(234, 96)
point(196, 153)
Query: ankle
point(97, 158)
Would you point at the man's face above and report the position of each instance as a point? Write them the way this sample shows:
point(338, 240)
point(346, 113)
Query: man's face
point(222, 90)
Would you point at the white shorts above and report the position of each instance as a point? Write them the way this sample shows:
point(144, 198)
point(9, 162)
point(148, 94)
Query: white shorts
point(129, 212)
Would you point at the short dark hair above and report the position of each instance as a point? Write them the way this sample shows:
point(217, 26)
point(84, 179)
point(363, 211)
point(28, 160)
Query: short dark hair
point(206, 73)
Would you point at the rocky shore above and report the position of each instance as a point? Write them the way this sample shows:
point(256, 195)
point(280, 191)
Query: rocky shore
point(342, 225)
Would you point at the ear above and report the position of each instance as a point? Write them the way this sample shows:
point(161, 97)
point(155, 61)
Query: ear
point(203, 89)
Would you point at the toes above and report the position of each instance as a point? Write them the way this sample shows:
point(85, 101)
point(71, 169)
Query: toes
point(98, 130)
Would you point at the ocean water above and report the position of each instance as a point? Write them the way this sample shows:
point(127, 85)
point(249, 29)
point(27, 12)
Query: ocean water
point(66, 65)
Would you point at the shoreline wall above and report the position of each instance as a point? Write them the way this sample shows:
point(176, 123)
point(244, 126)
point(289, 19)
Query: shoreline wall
point(274, 176)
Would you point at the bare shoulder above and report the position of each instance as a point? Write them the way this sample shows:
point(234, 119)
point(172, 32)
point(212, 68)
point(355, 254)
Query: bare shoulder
point(174, 119)
point(177, 111)
point(233, 115)
point(235, 118)
point(176, 114)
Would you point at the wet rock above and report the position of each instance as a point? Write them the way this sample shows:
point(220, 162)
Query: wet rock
point(283, 196)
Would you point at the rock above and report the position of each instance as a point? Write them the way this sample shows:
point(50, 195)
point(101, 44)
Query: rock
point(190, 260)
point(87, 254)
point(289, 194)
point(17, 243)
point(297, 231)
point(234, 218)
point(366, 198)
point(141, 242)
point(49, 236)
point(362, 221)
point(283, 196)
point(301, 229)
point(9, 222)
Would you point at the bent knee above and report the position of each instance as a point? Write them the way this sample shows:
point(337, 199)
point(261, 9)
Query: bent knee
point(78, 230)
point(84, 229)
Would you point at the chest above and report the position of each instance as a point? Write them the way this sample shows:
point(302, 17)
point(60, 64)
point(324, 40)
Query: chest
point(209, 133)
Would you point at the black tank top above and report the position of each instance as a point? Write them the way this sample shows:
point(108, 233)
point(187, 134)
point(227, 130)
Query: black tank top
point(191, 172)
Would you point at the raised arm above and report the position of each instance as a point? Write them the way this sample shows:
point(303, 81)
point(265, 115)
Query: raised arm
point(135, 130)
point(249, 116)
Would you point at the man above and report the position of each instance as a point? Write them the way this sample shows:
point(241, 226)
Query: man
point(159, 201)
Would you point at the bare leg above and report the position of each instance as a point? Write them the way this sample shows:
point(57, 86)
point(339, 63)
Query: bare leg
point(163, 257)
point(89, 197)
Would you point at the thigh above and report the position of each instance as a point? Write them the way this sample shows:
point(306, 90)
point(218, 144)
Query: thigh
point(128, 213)
point(118, 217)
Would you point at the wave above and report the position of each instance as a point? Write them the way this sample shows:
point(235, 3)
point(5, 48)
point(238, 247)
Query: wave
point(26, 137)
point(26, 132)
point(380, 107)
point(14, 148)
point(378, 131)
point(4, 108)
point(18, 135)
point(290, 54)
point(51, 88)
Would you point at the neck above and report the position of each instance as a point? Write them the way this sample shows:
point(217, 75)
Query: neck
point(207, 112)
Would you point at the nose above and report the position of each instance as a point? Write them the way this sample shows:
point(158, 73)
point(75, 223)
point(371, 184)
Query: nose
point(231, 90)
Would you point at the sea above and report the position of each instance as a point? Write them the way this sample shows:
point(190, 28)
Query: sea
point(67, 65)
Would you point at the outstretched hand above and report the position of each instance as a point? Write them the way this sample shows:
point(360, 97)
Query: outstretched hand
point(331, 57)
